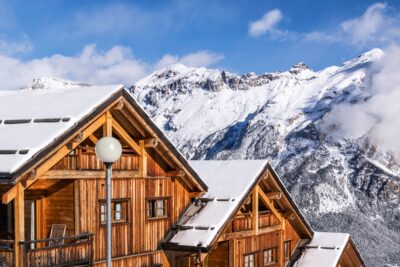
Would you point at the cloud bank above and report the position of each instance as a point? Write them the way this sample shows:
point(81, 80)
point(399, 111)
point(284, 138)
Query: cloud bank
point(376, 26)
point(116, 65)
point(376, 119)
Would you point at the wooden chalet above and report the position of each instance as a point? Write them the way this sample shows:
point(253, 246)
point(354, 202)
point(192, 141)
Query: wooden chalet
point(165, 211)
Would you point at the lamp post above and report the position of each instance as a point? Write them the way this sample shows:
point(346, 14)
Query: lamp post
point(108, 150)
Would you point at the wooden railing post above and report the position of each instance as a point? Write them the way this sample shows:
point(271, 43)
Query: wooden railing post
point(19, 219)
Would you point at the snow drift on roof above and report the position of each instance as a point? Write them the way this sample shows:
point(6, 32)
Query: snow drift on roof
point(32, 119)
point(228, 182)
point(324, 249)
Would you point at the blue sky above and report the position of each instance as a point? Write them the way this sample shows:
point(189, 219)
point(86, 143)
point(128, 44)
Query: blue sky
point(125, 40)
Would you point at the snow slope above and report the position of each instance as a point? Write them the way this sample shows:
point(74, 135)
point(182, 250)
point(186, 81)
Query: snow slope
point(341, 184)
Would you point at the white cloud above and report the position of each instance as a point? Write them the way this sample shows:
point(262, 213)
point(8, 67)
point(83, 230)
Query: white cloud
point(266, 24)
point(376, 26)
point(198, 59)
point(378, 118)
point(13, 48)
point(116, 65)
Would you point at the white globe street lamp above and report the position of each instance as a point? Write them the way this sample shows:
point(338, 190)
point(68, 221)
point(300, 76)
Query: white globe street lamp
point(108, 150)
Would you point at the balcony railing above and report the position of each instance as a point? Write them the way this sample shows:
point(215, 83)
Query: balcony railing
point(244, 222)
point(65, 251)
point(7, 252)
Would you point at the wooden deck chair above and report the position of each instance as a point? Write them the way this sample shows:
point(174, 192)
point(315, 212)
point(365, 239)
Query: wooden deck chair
point(57, 231)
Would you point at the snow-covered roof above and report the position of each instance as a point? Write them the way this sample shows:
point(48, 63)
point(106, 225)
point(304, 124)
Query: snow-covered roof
point(325, 249)
point(31, 119)
point(228, 182)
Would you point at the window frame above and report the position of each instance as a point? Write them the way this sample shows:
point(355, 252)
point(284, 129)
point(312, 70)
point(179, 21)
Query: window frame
point(166, 207)
point(124, 211)
point(287, 244)
point(274, 256)
point(254, 254)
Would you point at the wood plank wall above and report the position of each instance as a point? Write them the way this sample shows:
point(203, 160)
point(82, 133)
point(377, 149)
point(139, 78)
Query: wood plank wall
point(256, 244)
point(149, 259)
point(58, 208)
point(140, 234)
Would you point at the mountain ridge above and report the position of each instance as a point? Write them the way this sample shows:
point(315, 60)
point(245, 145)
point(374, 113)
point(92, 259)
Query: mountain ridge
point(344, 184)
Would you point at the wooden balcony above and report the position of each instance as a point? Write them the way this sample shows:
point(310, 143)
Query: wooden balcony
point(65, 251)
point(244, 222)
point(7, 252)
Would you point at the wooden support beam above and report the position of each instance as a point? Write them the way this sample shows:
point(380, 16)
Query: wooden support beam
point(274, 195)
point(269, 204)
point(151, 143)
point(177, 173)
point(119, 105)
point(19, 219)
point(255, 210)
point(143, 159)
point(290, 215)
point(93, 139)
point(282, 244)
point(72, 174)
point(107, 128)
point(195, 194)
point(134, 122)
point(126, 137)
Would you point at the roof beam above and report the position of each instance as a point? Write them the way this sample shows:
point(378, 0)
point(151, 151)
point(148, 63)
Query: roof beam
point(126, 137)
point(269, 204)
point(151, 143)
point(274, 195)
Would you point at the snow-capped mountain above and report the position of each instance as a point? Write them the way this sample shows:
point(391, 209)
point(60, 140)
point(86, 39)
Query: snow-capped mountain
point(340, 183)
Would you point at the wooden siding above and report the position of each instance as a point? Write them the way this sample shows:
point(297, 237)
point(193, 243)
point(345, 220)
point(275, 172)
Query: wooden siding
point(139, 234)
point(8, 254)
point(292, 235)
point(219, 256)
point(145, 260)
point(349, 257)
point(58, 208)
point(256, 244)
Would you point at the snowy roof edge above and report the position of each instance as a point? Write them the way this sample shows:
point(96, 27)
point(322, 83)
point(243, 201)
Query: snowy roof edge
point(172, 246)
point(11, 176)
point(122, 91)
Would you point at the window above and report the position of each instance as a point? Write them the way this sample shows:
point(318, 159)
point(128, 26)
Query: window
point(288, 249)
point(119, 211)
point(270, 256)
point(250, 260)
point(157, 208)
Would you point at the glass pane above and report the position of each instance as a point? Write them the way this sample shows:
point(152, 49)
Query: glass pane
point(160, 203)
point(118, 207)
